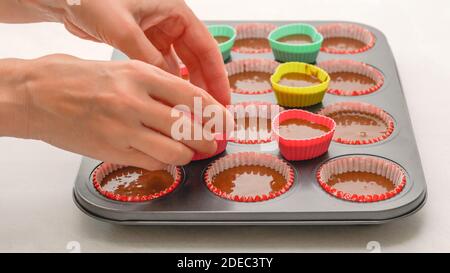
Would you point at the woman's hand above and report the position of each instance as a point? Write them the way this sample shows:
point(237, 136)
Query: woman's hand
point(114, 111)
point(148, 30)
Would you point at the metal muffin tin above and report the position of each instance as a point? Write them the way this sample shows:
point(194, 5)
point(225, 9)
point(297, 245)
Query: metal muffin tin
point(306, 203)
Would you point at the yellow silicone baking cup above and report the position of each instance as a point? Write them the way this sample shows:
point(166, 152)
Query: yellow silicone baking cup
point(299, 96)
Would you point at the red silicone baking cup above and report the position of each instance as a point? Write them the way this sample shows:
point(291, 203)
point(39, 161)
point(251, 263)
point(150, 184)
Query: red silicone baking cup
point(249, 159)
point(106, 168)
point(252, 110)
point(360, 107)
point(251, 65)
point(334, 66)
point(370, 164)
point(253, 30)
point(221, 147)
point(348, 31)
point(303, 149)
point(184, 72)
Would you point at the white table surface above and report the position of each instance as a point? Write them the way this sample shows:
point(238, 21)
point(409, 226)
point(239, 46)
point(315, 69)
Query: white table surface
point(36, 208)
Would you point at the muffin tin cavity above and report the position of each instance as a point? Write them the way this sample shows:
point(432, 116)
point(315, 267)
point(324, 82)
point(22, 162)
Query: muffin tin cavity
point(252, 38)
point(249, 177)
point(253, 122)
point(132, 184)
point(352, 78)
point(251, 76)
point(361, 178)
point(343, 38)
point(359, 123)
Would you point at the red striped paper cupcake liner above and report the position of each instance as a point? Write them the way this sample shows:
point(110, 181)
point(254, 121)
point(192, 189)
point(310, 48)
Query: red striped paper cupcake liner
point(335, 66)
point(365, 108)
point(303, 149)
point(106, 168)
point(253, 110)
point(370, 164)
point(251, 65)
point(249, 159)
point(348, 31)
point(253, 30)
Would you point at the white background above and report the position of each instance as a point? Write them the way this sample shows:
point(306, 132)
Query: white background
point(36, 208)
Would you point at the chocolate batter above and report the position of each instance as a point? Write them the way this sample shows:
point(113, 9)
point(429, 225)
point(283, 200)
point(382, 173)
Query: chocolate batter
point(358, 125)
point(361, 183)
point(221, 39)
point(252, 44)
point(297, 39)
point(249, 180)
point(251, 81)
point(349, 81)
point(132, 181)
point(253, 128)
point(342, 43)
point(298, 80)
point(301, 129)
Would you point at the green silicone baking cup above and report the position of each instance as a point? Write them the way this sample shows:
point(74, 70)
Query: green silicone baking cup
point(227, 31)
point(286, 52)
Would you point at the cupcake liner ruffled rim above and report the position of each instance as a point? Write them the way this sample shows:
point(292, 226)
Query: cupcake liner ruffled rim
point(253, 30)
point(361, 107)
point(371, 164)
point(334, 66)
point(251, 65)
point(349, 31)
point(249, 159)
point(253, 109)
point(303, 149)
point(106, 168)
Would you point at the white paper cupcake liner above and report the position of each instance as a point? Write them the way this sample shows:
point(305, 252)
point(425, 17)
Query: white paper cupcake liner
point(360, 107)
point(253, 30)
point(334, 66)
point(255, 110)
point(249, 159)
point(106, 168)
point(369, 164)
point(251, 65)
point(348, 31)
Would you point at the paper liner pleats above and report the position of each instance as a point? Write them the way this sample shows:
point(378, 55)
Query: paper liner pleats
point(347, 31)
point(370, 164)
point(335, 66)
point(106, 168)
point(249, 159)
point(253, 30)
point(251, 65)
point(254, 111)
point(365, 108)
